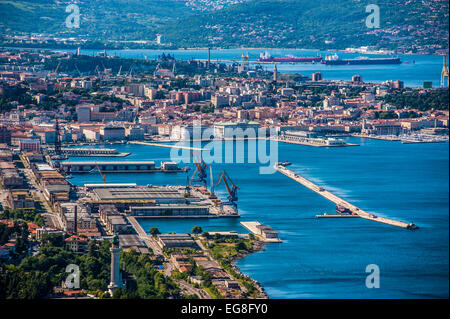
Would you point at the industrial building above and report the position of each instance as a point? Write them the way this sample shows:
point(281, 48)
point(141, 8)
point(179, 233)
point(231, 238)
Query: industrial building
point(176, 241)
point(109, 166)
point(161, 195)
point(132, 242)
point(114, 222)
point(170, 210)
point(18, 199)
point(9, 175)
point(86, 223)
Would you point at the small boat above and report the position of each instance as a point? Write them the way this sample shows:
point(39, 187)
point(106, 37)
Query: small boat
point(285, 163)
point(69, 176)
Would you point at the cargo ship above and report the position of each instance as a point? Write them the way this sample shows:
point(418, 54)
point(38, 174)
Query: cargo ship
point(335, 60)
point(266, 57)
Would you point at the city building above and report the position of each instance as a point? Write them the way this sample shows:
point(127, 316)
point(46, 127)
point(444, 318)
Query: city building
point(30, 145)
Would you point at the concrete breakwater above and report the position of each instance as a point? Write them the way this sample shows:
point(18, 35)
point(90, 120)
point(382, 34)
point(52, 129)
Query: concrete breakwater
point(339, 201)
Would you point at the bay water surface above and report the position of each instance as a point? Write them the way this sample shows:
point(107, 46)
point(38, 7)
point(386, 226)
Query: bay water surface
point(327, 258)
point(413, 71)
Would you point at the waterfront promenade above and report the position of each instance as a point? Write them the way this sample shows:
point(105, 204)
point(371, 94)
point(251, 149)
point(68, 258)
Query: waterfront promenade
point(339, 201)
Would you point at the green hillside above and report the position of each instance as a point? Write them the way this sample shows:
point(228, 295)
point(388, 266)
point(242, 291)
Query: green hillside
point(100, 19)
point(253, 23)
point(317, 24)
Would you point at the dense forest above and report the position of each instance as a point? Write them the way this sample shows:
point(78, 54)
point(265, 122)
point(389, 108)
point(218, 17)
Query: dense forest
point(36, 276)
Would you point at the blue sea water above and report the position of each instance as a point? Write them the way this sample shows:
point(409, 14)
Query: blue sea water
point(327, 258)
point(414, 70)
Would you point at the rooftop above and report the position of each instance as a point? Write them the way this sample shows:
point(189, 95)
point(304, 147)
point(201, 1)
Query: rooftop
point(137, 193)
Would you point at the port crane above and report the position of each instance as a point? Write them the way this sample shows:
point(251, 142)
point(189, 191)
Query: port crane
point(102, 175)
point(232, 191)
point(56, 69)
point(211, 184)
point(79, 73)
point(200, 171)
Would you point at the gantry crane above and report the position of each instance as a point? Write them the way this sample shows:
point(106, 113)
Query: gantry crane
point(56, 70)
point(232, 192)
point(200, 170)
point(100, 172)
point(211, 184)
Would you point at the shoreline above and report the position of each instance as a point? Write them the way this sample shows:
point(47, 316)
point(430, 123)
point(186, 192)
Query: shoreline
point(257, 247)
point(75, 47)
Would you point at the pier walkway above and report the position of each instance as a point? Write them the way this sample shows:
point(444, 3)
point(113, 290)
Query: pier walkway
point(339, 201)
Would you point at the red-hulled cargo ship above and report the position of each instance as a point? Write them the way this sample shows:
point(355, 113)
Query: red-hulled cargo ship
point(266, 57)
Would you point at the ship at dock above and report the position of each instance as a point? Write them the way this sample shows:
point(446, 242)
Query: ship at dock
point(266, 57)
point(335, 60)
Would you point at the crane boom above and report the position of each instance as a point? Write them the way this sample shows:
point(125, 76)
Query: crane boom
point(211, 182)
point(100, 172)
point(57, 67)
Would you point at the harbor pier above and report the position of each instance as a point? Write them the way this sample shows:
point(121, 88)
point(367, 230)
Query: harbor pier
point(119, 167)
point(339, 201)
point(107, 152)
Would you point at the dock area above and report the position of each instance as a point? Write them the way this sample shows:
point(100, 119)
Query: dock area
point(317, 143)
point(97, 152)
point(169, 146)
point(262, 232)
point(339, 201)
point(120, 167)
point(338, 216)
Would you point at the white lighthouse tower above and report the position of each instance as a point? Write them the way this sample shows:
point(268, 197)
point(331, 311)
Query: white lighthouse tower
point(116, 276)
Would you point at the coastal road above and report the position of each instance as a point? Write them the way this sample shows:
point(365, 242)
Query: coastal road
point(51, 218)
point(148, 239)
point(191, 290)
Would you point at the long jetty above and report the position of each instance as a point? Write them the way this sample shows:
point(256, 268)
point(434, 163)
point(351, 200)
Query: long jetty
point(169, 146)
point(339, 201)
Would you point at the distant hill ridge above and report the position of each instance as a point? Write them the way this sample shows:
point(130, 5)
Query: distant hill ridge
point(232, 23)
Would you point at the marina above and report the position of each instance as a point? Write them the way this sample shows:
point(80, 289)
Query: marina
point(312, 139)
point(316, 142)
